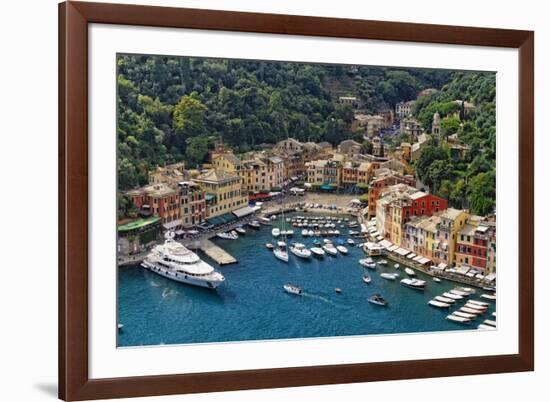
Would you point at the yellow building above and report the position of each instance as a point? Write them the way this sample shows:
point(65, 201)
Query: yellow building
point(223, 192)
point(452, 221)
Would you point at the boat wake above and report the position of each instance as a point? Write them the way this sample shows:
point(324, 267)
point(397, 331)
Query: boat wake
point(168, 292)
point(323, 299)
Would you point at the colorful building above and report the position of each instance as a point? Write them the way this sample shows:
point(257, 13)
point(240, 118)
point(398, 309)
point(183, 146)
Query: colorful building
point(452, 221)
point(223, 192)
point(400, 203)
point(472, 244)
point(193, 204)
point(382, 181)
point(160, 200)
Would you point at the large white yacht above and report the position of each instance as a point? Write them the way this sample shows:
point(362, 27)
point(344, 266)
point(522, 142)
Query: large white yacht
point(174, 261)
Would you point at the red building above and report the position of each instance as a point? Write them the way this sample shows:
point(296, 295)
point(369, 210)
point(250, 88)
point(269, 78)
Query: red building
point(379, 183)
point(193, 204)
point(472, 245)
point(158, 200)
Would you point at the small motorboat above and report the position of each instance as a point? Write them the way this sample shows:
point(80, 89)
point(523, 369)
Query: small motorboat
point(396, 266)
point(305, 232)
point(413, 283)
point(351, 242)
point(240, 230)
point(452, 296)
point(338, 290)
point(317, 251)
point(444, 299)
point(478, 302)
point(378, 300)
point(264, 221)
point(367, 279)
point(436, 279)
point(327, 241)
point(228, 236)
point(410, 272)
point(292, 289)
point(330, 249)
point(439, 304)
point(382, 262)
point(287, 233)
point(269, 246)
point(456, 318)
point(489, 297)
point(367, 264)
point(120, 326)
point(389, 276)
point(275, 232)
point(317, 242)
point(300, 250)
point(310, 233)
point(254, 224)
point(342, 249)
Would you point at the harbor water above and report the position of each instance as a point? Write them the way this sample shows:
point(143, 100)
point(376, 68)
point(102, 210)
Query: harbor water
point(252, 305)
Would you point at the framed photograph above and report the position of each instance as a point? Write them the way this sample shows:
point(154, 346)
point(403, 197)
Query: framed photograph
point(259, 200)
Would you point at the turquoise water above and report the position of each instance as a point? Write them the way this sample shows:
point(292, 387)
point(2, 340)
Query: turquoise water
point(251, 304)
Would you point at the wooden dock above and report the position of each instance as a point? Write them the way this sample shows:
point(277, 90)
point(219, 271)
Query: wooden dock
point(218, 254)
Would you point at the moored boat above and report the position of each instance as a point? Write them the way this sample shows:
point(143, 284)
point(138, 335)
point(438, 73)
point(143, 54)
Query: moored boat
point(389, 276)
point(439, 304)
point(280, 251)
point(300, 250)
point(330, 249)
point(275, 232)
point(264, 221)
point(410, 272)
point(458, 319)
point(228, 236)
point(413, 283)
point(254, 224)
point(488, 296)
point(452, 296)
point(367, 279)
point(269, 246)
point(318, 251)
point(444, 299)
point(342, 249)
point(436, 279)
point(367, 264)
point(240, 230)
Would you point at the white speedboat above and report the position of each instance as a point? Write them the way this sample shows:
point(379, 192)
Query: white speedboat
point(367, 279)
point(489, 297)
point(396, 266)
point(329, 249)
point(342, 249)
point(413, 283)
point(240, 230)
point(410, 272)
point(382, 262)
point(174, 261)
point(327, 241)
point(269, 246)
point(254, 224)
point(378, 300)
point(292, 289)
point(458, 319)
point(305, 233)
point(478, 302)
point(300, 250)
point(436, 279)
point(310, 233)
point(228, 236)
point(367, 264)
point(452, 296)
point(459, 292)
point(389, 276)
point(318, 251)
point(444, 299)
point(275, 232)
point(264, 221)
point(439, 304)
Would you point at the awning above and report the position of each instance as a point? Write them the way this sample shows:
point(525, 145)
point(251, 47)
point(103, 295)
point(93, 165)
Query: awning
point(375, 233)
point(417, 258)
point(239, 213)
point(424, 260)
point(411, 255)
point(385, 243)
point(379, 238)
point(401, 251)
point(172, 225)
point(363, 228)
point(463, 269)
point(209, 196)
point(180, 232)
point(491, 277)
point(393, 247)
point(442, 265)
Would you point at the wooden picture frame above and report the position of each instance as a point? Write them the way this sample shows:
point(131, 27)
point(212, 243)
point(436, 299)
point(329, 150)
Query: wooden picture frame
point(74, 381)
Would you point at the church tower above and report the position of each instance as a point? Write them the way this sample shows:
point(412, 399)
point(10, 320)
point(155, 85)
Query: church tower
point(436, 127)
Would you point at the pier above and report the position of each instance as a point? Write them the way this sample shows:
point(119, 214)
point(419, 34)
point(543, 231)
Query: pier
point(218, 254)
